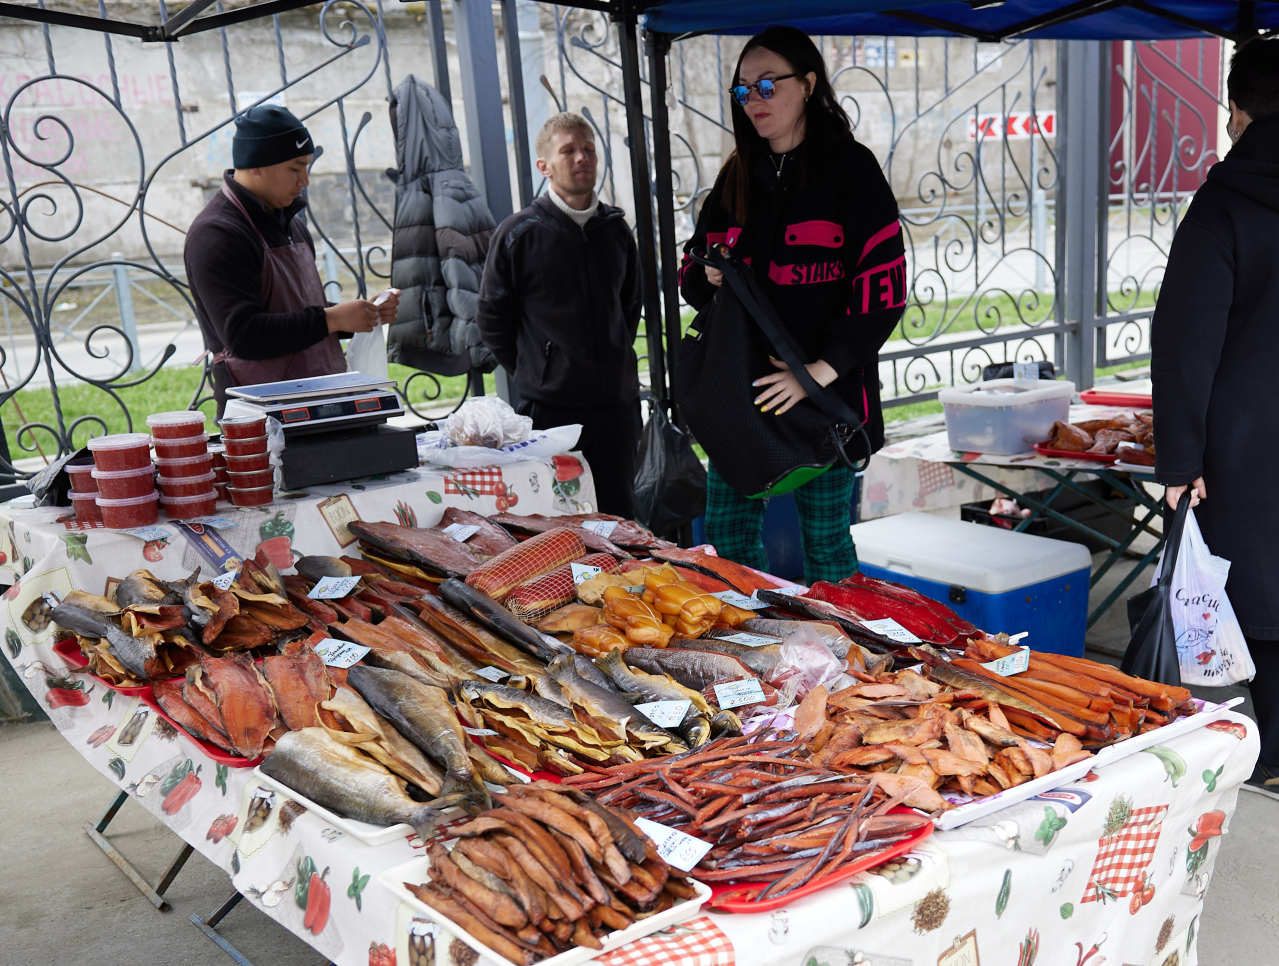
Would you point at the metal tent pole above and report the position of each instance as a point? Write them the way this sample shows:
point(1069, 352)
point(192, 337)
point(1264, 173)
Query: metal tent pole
point(642, 188)
point(658, 46)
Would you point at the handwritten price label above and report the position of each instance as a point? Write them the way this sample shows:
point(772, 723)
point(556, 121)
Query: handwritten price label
point(494, 674)
point(751, 640)
point(887, 627)
point(734, 694)
point(332, 588)
point(335, 653)
point(582, 573)
point(1010, 665)
point(461, 532)
point(149, 533)
point(665, 714)
point(603, 528)
point(677, 848)
point(740, 600)
point(216, 522)
point(223, 581)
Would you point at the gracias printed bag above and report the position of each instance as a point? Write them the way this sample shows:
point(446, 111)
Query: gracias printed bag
point(727, 346)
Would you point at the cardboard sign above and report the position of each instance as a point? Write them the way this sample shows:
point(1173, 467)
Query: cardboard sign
point(337, 512)
point(341, 654)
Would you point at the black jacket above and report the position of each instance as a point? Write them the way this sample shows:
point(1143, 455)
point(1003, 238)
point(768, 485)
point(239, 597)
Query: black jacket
point(223, 260)
point(823, 238)
point(1215, 344)
point(560, 305)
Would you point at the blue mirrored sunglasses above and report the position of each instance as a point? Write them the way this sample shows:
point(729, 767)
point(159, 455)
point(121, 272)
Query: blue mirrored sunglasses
point(766, 87)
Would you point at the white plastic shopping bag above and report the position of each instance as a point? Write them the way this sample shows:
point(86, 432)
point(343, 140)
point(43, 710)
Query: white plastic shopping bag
point(366, 353)
point(1211, 649)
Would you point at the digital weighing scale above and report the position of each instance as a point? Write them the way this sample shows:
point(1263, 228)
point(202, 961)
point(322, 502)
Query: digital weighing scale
point(334, 426)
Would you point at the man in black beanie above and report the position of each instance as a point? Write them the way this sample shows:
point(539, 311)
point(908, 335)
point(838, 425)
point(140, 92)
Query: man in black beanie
point(250, 263)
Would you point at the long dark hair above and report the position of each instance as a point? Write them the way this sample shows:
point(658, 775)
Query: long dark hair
point(824, 120)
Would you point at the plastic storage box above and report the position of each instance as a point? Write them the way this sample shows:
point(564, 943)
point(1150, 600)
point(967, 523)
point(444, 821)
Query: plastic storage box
point(998, 579)
point(1004, 416)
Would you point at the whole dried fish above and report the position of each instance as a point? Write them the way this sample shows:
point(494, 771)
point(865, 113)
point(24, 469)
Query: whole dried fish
point(430, 549)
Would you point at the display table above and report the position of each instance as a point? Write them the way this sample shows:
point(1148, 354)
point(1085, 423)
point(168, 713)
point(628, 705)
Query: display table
point(1022, 474)
point(1053, 875)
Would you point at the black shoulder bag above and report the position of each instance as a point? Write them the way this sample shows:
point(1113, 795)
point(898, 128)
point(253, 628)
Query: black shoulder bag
point(726, 348)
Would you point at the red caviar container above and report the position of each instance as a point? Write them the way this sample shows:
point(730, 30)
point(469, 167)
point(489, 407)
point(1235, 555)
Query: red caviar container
point(184, 448)
point(185, 507)
point(81, 477)
point(86, 507)
point(252, 479)
point(242, 427)
point(176, 425)
point(186, 466)
point(257, 496)
point(247, 464)
point(121, 451)
point(172, 487)
point(134, 511)
point(124, 484)
point(250, 446)
point(219, 455)
point(222, 492)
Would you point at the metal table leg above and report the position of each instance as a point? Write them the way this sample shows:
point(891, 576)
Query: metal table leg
point(209, 928)
point(155, 895)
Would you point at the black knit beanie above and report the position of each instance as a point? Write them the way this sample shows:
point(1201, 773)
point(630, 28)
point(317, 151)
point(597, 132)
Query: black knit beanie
point(268, 134)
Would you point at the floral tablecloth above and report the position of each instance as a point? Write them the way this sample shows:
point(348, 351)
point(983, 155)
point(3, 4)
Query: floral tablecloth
point(1112, 868)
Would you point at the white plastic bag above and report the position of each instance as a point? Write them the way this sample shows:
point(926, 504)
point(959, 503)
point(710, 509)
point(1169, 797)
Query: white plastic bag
point(486, 421)
point(1211, 650)
point(366, 353)
point(434, 447)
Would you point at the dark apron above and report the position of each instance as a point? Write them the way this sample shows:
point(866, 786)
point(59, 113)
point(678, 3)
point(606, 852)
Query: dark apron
point(290, 283)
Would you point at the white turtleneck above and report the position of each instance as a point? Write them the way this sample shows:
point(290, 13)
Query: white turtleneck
point(579, 216)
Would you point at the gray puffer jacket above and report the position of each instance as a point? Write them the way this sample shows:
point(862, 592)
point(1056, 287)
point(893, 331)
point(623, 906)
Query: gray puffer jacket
point(441, 236)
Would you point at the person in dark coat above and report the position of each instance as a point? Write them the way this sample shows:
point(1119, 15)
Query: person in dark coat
point(250, 262)
point(1215, 353)
point(560, 307)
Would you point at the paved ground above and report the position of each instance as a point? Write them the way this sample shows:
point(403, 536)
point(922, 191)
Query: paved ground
point(69, 897)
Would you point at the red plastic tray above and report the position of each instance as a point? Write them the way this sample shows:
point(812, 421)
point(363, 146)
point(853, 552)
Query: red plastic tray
point(213, 751)
point(735, 896)
point(1099, 397)
point(1067, 454)
point(69, 650)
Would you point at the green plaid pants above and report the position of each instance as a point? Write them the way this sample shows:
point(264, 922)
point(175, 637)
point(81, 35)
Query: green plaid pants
point(735, 524)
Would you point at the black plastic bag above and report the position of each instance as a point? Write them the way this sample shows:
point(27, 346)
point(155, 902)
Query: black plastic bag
point(52, 485)
point(670, 481)
point(1152, 651)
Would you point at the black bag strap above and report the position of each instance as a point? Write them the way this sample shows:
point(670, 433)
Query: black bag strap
point(1172, 539)
point(742, 284)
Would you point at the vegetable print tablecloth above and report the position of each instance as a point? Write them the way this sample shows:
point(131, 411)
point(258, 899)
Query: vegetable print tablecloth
point(1112, 868)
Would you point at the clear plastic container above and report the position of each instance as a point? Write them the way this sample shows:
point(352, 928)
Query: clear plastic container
point(81, 477)
point(257, 496)
point(176, 425)
point(252, 479)
point(219, 455)
point(1004, 416)
point(124, 484)
point(183, 486)
point(135, 511)
point(249, 446)
point(247, 464)
point(181, 448)
point(187, 466)
point(243, 427)
point(185, 507)
point(86, 507)
point(121, 451)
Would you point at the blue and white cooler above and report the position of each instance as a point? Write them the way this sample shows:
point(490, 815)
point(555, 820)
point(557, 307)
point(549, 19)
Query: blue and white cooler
point(1001, 580)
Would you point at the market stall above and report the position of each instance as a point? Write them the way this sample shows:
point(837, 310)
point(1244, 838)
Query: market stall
point(1115, 859)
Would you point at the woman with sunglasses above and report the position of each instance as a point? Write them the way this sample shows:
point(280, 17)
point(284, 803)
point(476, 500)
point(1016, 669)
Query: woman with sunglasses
point(809, 210)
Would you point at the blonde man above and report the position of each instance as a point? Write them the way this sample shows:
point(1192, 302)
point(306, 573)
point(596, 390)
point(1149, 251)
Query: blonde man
point(560, 306)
